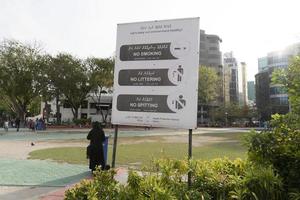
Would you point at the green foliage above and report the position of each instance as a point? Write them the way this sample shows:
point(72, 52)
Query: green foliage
point(5, 109)
point(166, 179)
point(234, 112)
point(295, 195)
point(208, 85)
point(26, 74)
point(103, 186)
point(217, 177)
point(34, 107)
point(293, 84)
point(82, 121)
point(102, 72)
point(260, 182)
point(280, 148)
point(290, 79)
point(102, 77)
point(73, 80)
point(85, 190)
point(19, 67)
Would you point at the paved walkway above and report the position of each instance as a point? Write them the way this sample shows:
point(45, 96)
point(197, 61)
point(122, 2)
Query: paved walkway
point(39, 173)
point(28, 179)
point(47, 192)
point(39, 179)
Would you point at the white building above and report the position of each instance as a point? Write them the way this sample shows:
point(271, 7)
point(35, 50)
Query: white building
point(231, 83)
point(235, 80)
point(90, 108)
point(243, 90)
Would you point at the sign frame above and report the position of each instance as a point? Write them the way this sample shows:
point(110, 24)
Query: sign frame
point(156, 74)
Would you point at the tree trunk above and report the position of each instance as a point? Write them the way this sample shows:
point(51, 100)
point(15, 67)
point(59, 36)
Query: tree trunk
point(58, 115)
point(75, 113)
point(201, 118)
point(19, 108)
point(21, 116)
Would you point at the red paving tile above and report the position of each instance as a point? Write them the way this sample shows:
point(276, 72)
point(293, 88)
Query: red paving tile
point(56, 195)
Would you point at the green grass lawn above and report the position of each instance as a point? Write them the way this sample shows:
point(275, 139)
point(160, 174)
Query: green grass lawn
point(143, 153)
point(72, 155)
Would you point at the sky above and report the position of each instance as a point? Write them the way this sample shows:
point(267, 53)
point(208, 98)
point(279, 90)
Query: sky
point(249, 28)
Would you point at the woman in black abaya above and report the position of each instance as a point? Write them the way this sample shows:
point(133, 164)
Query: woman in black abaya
point(95, 149)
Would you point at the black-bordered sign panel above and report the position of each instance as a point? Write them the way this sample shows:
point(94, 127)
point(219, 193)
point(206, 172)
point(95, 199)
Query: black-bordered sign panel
point(139, 52)
point(156, 73)
point(147, 77)
point(143, 103)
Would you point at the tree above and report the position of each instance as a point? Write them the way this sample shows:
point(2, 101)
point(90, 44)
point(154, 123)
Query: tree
point(279, 145)
point(102, 76)
point(207, 87)
point(72, 79)
point(229, 113)
point(53, 80)
point(290, 79)
point(5, 110)
point(226, 114)
point(19, 65)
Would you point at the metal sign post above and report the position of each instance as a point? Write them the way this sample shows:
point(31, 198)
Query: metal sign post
point(114, 147)
point(189, 157)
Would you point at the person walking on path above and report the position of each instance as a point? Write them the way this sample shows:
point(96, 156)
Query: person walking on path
point(95, 149)
point(17, 124)
point(6, 124)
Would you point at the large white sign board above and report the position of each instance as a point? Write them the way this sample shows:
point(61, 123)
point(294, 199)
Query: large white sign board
point(156, 74)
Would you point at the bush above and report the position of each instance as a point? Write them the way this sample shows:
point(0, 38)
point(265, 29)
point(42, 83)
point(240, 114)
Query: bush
point(261, 183)
point(217, 177)
point(280, 148)
point(82, 122)
point(167, 179)
point(103, 186)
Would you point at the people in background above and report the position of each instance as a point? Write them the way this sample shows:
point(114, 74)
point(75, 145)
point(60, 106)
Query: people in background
point(6, 124)
point(17, 124)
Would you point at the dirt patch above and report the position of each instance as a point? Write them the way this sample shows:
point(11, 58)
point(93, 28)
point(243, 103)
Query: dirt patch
point(197, 140)
point(137, 140)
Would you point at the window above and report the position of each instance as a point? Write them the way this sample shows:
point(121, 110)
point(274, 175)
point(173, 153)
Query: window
point(103, 106)
point(277, 90)
point(84, 104)
point(280, 101)
point(214, 56)
point(66, 104)
point(92, 105)
point(213, 48)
